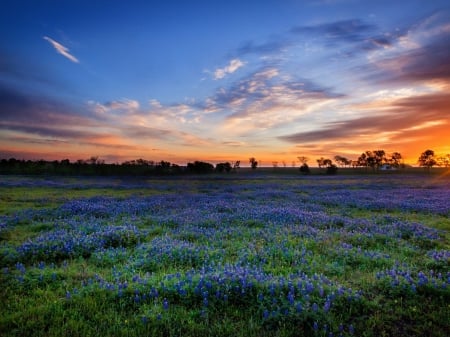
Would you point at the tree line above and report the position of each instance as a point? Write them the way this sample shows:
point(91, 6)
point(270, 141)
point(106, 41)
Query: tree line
point(375, 160)
point(95, 166)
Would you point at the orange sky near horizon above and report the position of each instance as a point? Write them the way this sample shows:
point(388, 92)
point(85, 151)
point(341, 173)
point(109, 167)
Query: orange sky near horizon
point(278, 81)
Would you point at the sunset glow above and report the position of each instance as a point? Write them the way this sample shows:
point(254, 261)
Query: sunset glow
point(223, 81)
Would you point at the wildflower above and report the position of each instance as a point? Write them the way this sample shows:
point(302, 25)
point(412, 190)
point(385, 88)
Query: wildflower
point(351, 330)
point(291, 298)
point(315, 326)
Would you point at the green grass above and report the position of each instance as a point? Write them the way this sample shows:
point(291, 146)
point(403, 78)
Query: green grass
point(94, 293)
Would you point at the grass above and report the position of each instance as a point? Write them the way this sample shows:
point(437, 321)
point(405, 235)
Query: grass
point(261, 254)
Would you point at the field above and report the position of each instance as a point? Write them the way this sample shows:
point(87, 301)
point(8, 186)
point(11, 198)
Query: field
point(225, 255)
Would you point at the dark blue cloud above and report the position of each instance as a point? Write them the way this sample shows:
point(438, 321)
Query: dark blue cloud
point(266, 48)
point(428, 60)
point(340, 31)
point(350, 36)
point(38, 115)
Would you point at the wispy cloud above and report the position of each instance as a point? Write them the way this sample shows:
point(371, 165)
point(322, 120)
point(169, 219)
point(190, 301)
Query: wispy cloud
point(265, 48)
point(265, 99)
point(64, 51)
point(234, 65)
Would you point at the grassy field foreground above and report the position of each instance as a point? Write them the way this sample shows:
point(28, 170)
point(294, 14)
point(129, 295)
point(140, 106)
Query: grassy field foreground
point(230, 255)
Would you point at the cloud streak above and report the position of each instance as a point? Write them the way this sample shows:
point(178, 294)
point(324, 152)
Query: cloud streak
point(401, 120)
point(64, 51)
point(234, 65)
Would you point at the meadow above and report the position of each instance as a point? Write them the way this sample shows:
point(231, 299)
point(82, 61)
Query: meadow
point(225, 255)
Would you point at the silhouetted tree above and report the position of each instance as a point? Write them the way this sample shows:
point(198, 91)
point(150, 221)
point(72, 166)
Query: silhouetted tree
point(253, 163)
point(221, 167)
point(443, 160)
point(380, 157)
point(302, 159)
point(163, 167)
point(362, 160)
point(342, 160)
point(373, 159)
point(236, 165)
point(200, 167)
point(305, 169)
point(320, 162)
point(328, 163)
point(395, 159)
point(427, 159)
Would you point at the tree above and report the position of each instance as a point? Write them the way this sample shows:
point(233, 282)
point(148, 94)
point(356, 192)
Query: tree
point(328, 163)
point(304, 169)
point(320, 162)
point(253, 163)
point(236, 165)
point(396, 157)
point(427, 159)
point(200, 167)
point(373, 159)
point(362, 160)
point(380, 158)
point(220, 167)
point(342, 160)
point(303, 159)
point(331, 169)
point(443, 160)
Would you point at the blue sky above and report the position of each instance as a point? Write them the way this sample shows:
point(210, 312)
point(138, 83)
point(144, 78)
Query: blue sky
point(223, 80)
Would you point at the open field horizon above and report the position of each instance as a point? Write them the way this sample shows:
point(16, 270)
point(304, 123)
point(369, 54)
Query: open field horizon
point(257, 253)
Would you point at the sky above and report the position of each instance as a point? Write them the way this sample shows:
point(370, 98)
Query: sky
point(223, 80)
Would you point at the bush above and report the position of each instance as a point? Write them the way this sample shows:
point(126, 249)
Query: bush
point(305, 169)
point(332, 169)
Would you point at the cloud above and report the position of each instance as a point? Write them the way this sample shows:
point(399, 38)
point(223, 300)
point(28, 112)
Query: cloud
point(143, 132)
point(422, 54)
point(123, 106)
point(180, 114)
point(234, 65)
point(339, 31)
point(64, 51)
point(269, 47)
point(266, 98)
point(42, 116)
point(348, 38)
point(398, 120)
